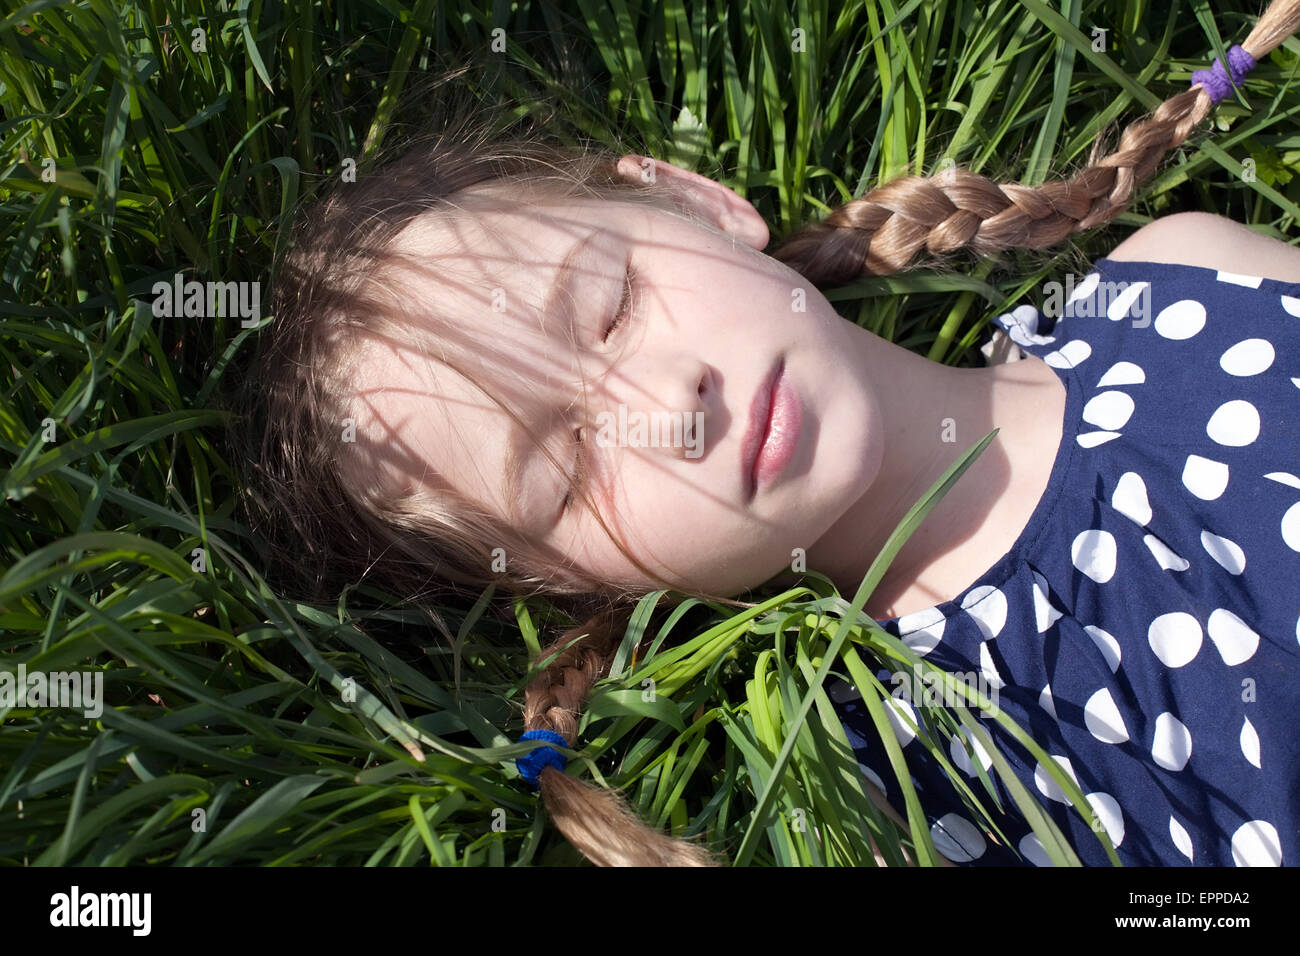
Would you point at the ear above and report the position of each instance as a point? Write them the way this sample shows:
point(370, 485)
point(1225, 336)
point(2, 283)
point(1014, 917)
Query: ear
point(714, 202)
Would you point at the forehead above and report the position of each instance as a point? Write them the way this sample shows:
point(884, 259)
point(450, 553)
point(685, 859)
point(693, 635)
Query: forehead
point(485, 239)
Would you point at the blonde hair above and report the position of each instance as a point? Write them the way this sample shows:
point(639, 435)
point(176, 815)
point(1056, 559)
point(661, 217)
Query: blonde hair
point(328, 520)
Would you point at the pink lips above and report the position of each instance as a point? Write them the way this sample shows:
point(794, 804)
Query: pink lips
point(774, 419)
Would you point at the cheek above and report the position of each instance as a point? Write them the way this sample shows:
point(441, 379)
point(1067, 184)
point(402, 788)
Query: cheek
point(687, 533)
point(598, 548)
point(664, 532)
point(684, 532)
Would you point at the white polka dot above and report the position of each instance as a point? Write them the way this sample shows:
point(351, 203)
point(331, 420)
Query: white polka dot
point(1235, 639)
point(1046, 702)
point(1031, 848)
point(1084, 288)
point(1045, 614)
point(1175, 637)
point(1093, 552)
point(1237, 278)
point(874, 778)
point(1256, 844)
point(1181, 320)
point(900, 713)
point(1250, 742)
point(1109, 410)
point(922, 630)
point(1234, 423)
point(1107, 644)
point(1296, 382)
point(1130, 497)
point(1103, 718)
point(1120, 305)
point(1166, 557)
point(1026, 316)
point(1291, 304)
point(1171, 746)
point(1291, 527)
point(1108, 811)
point(961, 758)
point(988, 668)
point(1224, 551)
point(988, 606)
point(1247, 357)
point(1022, 326)
point(1048, 786)
point(1069, 355)
point(957, 838)
point(1284, 478)
point(1022, 338)
point(1205, 477)
point(1123, 373)
point(1093, 439)
point(1181, 839)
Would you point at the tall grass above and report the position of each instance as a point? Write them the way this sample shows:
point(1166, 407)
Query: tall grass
point(244, 728)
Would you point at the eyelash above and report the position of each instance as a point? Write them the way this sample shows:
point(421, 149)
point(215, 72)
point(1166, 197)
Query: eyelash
point(624, 311)
point(625, 305)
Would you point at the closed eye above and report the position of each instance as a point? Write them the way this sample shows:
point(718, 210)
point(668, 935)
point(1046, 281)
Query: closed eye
point(577, 480)
point(579, 472)
point(625, 305)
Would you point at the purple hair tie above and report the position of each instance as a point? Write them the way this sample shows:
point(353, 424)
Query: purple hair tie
point(1216, 81)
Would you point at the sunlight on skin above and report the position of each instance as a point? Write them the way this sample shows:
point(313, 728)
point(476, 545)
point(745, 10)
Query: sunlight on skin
point(711, 319)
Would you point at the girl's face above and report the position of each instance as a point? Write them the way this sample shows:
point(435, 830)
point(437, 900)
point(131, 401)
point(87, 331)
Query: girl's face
point(708, 326)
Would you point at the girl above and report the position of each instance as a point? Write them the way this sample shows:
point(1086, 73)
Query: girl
point(453, 324)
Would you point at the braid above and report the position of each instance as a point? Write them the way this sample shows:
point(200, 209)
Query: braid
point(884, 231)
point(598, 822)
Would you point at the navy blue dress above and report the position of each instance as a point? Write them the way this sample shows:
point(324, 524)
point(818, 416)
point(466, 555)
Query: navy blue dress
point(1144, 629)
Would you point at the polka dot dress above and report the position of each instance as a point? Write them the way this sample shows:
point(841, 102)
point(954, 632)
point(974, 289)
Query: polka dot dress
point(1145, 627)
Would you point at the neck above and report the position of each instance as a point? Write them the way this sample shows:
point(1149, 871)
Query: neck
point(932, 414)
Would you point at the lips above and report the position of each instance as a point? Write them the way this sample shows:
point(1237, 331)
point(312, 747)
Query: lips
point(772, 437)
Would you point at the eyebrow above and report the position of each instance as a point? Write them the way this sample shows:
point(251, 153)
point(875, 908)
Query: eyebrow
point(518, 446)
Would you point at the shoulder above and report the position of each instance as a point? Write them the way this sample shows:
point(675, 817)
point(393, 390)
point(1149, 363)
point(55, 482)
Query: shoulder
point(1211, 242)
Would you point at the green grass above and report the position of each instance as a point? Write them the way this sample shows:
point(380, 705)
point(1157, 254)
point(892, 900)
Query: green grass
point(291, 732)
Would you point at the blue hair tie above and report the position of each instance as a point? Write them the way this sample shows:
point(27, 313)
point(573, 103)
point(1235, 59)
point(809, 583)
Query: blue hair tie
point(531, 765)
point(1216, 81)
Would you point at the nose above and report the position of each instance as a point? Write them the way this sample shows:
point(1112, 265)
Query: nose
point(656, 403)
